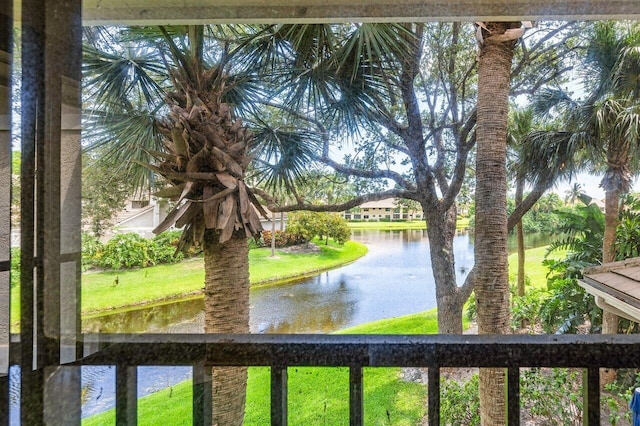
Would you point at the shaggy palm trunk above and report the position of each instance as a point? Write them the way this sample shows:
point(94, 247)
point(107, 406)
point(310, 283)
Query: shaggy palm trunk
point(491, 281)
point(227, 311)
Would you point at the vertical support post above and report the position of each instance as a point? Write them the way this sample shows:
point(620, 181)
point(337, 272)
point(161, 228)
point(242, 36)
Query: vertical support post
point(279, 395)
point(6, 48)
point(126, 395)
point(356, 406)
point(591, 396)
point(433, 393)
point(52, 53)
point(202, 394)
point(513, 396)
point(32, 117)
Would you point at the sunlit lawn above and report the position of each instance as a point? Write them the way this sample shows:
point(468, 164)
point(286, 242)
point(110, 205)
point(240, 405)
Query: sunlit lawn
point(317, 396)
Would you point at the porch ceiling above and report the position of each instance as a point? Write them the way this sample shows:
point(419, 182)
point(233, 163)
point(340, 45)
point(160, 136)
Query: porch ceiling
point(135, 12)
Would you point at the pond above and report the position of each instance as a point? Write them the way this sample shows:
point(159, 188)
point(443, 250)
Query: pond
point(393, 279)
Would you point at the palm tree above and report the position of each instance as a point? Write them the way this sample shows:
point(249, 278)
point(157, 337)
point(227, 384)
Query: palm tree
point(168, 98)
point(492, 284)
point(604, 126)
point(165, 98)
point(573, 194)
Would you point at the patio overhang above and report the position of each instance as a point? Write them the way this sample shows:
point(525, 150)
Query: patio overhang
point(616, 287)
point(146, 12)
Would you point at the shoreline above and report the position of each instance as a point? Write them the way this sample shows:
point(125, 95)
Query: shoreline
point(262, 283)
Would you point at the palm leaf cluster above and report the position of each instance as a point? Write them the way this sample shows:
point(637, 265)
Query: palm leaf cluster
point(205, 161)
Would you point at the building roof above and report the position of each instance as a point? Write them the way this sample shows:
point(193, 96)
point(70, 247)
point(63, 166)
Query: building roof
point(380, 204)
point(616, 287)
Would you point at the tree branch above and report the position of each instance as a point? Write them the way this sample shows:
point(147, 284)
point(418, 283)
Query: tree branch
point(369, 174)
point(354, 202)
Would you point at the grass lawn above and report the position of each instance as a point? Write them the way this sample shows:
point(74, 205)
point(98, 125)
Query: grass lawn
point(408, 224)
point(385, 226)
point(157, 283)
point(533, 267)
point(317, 396)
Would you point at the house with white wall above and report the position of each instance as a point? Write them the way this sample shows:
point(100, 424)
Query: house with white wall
point(386, 209)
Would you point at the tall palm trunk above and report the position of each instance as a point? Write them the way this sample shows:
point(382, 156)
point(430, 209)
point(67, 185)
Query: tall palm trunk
point(491, 285)
point(226, 291)
point(520, 239)
point(617, 180)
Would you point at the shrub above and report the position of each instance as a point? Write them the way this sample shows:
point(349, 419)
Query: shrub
point(460, 402)
point(553, 394)
point(91, 250)
point(283, 239)
point(15, 267)
point(162, 248)
point(126, 251)
point(526, 309)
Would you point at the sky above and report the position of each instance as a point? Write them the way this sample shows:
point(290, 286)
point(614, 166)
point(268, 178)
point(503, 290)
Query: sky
point(590, 185)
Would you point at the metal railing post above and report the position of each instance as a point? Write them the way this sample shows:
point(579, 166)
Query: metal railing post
point(433, 379)
point(279, 395)
point(126, 395)
point(356, 402)
point(202, 394)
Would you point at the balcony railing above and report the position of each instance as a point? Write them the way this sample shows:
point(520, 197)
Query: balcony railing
point(127, 351)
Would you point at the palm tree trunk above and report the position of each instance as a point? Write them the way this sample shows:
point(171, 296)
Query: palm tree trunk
point(492, 285)
point(609, 319)
point(227, 311)
point(520, 240)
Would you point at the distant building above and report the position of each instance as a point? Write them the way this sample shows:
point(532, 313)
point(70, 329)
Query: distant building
point(387, 209)
point(140, 216)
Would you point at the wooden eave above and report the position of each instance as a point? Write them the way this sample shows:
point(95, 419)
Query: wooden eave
point(616, 287)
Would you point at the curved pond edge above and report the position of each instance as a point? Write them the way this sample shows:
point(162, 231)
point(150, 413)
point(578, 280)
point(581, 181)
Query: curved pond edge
point(265, 283)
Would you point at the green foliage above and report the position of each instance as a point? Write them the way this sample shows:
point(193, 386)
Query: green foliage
point(553, 395)
point(15, 267)
point(568, 306)
point(163, 248)
point(105, 189)
point(322, 225)
point(131, 250)
point(91, 250)
point(542, 217)
point(526, 309)
point(125, 251)
point(460, 402)
point(282, 239)
point(582, 231)
point(628, 231)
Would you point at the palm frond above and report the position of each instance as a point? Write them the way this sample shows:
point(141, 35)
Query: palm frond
point(124, 138)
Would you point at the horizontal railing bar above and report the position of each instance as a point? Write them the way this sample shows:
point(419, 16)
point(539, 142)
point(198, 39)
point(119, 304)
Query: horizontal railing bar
point(613, 351)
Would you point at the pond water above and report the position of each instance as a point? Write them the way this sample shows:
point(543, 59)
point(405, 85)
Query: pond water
point(393, 279)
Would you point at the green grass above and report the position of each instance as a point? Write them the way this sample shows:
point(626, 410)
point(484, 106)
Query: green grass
point(265, 269)
point(163, 282)
point(533, 267)
point(317, 396)
point(385, 226)
point(399, 225)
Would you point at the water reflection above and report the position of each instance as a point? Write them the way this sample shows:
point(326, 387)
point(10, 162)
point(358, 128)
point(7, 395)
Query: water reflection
point(393, 279)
